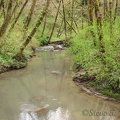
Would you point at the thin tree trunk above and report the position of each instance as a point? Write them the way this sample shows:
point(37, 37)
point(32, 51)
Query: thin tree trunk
point(72, 14)
point(105, 8)
point(64, 18)
point(28, 39)
point(16, 19)
point(44, 26)
point(2, 7)
point(58, 34)
point(27, 22)
point(90, 12)
point(90, 19)
point(100, 29)
point(116, 7)
point(14, 10)
point(7, 19)
point(28, 19)
point(110, 16)
point(54, 21)
point(76, 24)
point(82, 21)
point(1, 4)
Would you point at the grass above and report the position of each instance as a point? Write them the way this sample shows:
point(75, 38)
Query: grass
point(87, 55)
point(11, 42)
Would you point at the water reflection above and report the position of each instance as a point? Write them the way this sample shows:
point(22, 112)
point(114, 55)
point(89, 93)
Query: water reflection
point(59, 114)
point(40, 110)
point(45, 91)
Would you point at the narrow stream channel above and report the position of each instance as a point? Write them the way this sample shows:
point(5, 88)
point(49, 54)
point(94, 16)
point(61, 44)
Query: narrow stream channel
point(44, 90)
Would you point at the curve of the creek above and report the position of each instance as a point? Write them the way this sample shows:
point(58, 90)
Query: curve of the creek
point(44, 90)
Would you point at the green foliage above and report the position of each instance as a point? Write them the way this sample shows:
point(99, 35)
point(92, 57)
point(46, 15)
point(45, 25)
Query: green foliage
point(111, 94)
point(42, 38)
point(83, 50)
point(11, 43)
point(86, 54)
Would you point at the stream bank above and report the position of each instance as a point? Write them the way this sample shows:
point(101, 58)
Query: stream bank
point(81, 78)
point(15, 64)
point(44, 90)
point(86, 82)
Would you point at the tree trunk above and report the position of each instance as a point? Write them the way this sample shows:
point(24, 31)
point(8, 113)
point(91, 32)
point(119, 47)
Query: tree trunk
point(72, 13)
point(7, 19)
point(110, 16)
point(64, 19)
point(100, 29)
point(90, 19)
point(16, 19)
point(27, 22)
point(105, 8)
point(90, 12)
point(14, 10)
point(28, 39)
point(1, 4)
point(2, 7)
point(54, 21)
point(44, 26)
point(59, 31)
point(116, 7)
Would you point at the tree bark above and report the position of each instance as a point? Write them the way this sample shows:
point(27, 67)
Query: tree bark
point(116, 7)
point(14, 10)
point(7, 19)
point(27, 22)
point(54, 21)
point(105, 8)
point(2, 7)
point(90, 19)
point(64, 19)
point(72, 13)
point(16, 19)
point(28, 39)
point(44, 26)
point(1, 4)
point(100, 29)
point(110, 16)
point(90, 12)
point(58, 34)
point(63, 16)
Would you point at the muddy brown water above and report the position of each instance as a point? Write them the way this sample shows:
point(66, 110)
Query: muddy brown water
point(44, 90)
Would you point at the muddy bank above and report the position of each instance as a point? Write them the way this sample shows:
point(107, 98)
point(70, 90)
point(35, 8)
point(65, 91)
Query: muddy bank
point(54, 46)
point(83, 80)
point(9, 66)
point(15, 64)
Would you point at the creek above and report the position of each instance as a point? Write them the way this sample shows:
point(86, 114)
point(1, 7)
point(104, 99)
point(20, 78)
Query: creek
point(44, 90)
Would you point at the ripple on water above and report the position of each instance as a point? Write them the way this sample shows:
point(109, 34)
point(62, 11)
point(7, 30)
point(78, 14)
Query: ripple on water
point(58, 114)
point(37, 111)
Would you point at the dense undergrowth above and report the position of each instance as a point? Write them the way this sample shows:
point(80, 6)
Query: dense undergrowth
point(11, 42)
point(85, 54)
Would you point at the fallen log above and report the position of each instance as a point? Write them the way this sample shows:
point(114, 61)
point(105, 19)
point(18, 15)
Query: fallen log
point(61, 41)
